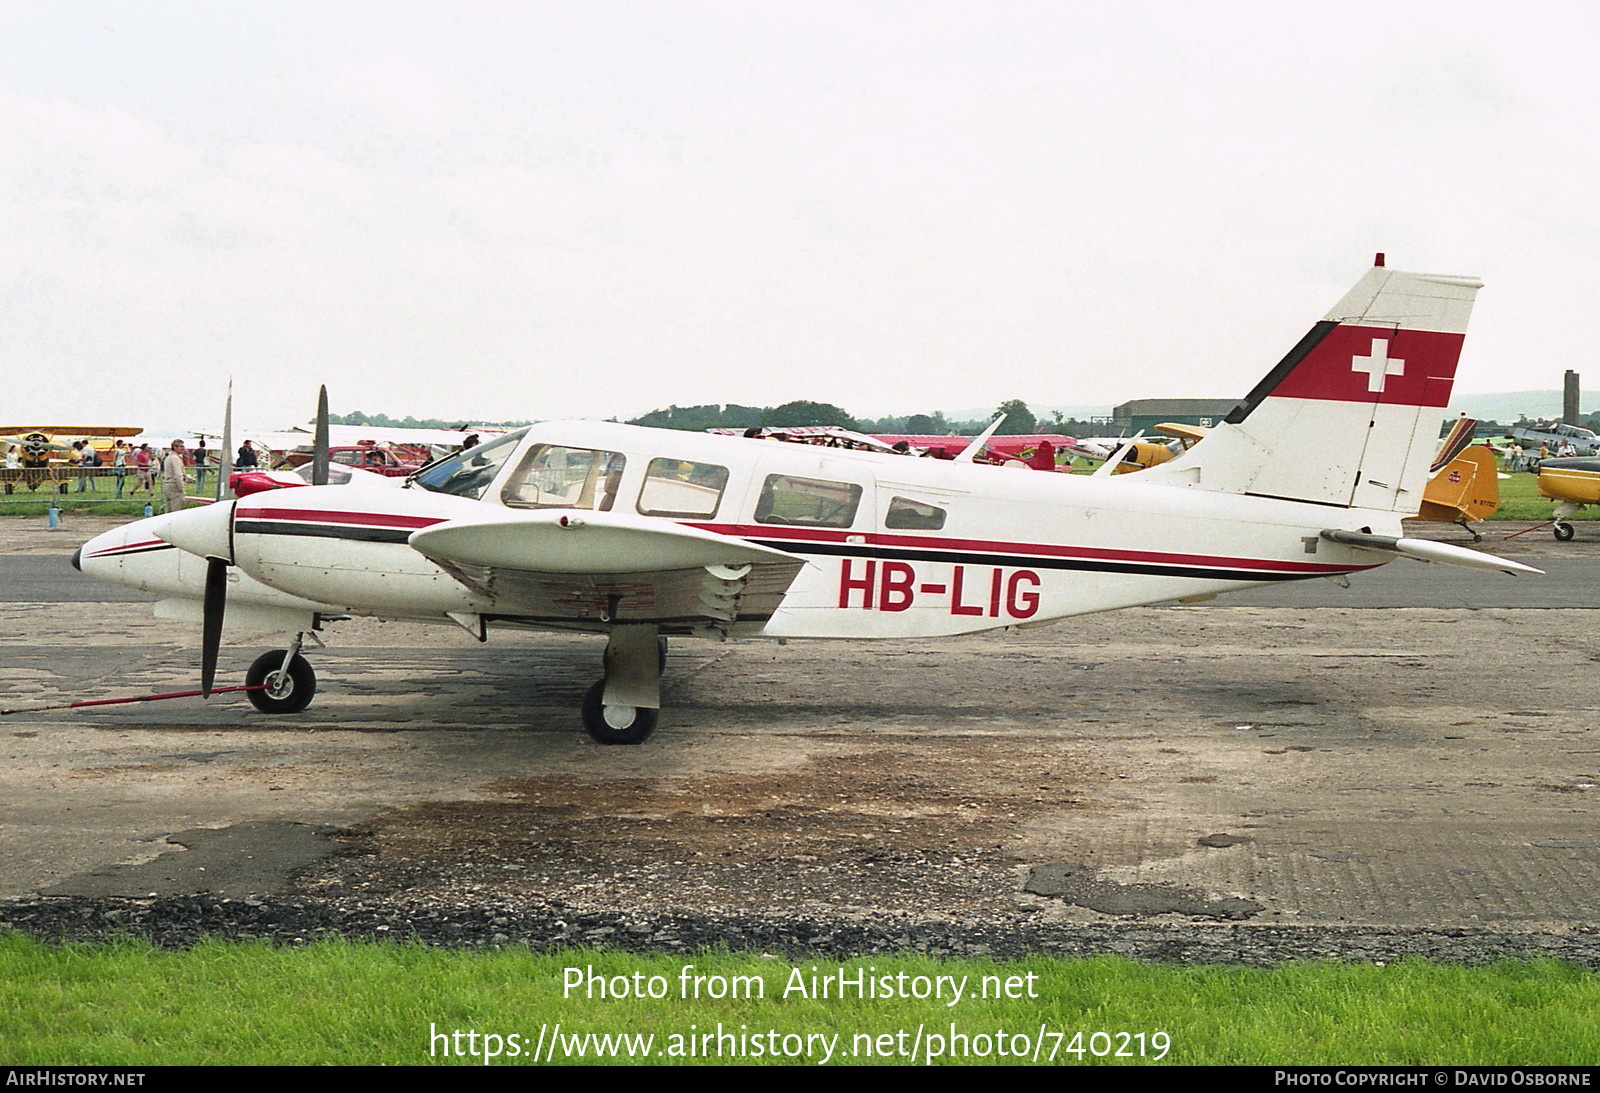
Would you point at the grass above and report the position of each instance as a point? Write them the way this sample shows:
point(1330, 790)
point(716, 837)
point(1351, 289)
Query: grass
point(126, 1004)
point(1519, 501)
point(99, 499)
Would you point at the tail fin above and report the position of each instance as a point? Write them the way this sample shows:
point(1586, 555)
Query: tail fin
point(1351, 416)
point(1463, 490)
point(1454, 443)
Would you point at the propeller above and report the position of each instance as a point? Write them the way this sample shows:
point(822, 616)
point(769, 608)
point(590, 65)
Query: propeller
point(319, 445)
point(225, 464)
point(215, 603)
point(210, 535)
point(213, 607)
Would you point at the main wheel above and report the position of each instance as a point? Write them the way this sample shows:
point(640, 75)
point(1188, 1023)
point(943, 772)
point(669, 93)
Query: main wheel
point(612, 724)
point(286, 692)
point(1563, 530)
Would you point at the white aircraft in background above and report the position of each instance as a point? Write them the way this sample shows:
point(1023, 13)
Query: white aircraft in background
point(642, 534)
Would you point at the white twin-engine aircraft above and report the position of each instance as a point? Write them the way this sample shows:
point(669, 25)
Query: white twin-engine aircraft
point(645, 533)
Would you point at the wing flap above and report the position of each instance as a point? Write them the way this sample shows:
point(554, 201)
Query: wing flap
point(603, 569)
point(564, 541)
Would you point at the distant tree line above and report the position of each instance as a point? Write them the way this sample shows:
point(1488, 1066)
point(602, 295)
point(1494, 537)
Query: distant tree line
point(384, 421)
point(1019, 419)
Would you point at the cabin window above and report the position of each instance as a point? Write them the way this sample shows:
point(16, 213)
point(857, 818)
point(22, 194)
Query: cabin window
point(807, 502)
point(908, 515)
point(554, 477)
point(679, 488)
point(468, 473)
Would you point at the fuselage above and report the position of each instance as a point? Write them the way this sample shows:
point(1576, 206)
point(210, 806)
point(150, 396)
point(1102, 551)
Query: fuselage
point(895, 546)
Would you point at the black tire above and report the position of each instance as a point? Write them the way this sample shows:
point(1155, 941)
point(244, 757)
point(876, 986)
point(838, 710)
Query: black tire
point(293, 695)
point(1564, 531)
point(641, 721)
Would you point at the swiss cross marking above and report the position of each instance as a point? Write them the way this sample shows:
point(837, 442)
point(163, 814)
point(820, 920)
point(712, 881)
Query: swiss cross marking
point(1378, 366)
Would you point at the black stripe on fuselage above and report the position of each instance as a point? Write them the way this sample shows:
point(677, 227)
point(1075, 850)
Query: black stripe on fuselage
point(1032, 561)
point(324, 531)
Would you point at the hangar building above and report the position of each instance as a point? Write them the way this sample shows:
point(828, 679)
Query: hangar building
point(1145, 414)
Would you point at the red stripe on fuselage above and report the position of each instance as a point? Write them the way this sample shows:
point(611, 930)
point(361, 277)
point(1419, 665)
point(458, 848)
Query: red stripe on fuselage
point(800, 536)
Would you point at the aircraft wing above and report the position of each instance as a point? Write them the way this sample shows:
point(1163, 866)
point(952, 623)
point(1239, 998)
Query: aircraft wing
point(70, 430)
point(599, 568)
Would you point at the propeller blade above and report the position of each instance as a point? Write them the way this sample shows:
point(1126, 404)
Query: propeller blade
point(225, 464)
point(215, 604)
point(319, 451)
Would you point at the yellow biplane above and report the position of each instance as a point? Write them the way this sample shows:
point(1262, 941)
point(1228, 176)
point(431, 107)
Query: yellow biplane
point(36, 464)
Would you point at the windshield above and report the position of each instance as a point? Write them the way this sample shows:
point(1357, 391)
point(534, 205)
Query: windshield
point(468, 473)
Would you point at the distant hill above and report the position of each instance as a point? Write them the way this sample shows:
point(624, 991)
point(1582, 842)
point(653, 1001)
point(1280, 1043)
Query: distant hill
point(1505, 406)
point(1509, 405)
point(1043, 410)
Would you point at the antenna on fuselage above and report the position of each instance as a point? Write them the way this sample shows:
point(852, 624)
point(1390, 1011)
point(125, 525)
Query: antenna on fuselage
point(1110, 465)
point(970, 452)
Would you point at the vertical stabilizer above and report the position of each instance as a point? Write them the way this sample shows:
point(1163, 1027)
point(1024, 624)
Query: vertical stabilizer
point(1351, 416)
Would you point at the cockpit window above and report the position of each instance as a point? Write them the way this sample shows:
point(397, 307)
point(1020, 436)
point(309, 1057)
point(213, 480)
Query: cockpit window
point(468, 473)
point(677, 487)
point(553, 477)
point(807, 502)
point(908, 515)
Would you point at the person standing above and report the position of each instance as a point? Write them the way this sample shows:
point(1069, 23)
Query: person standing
point(80, 461)
point(202, 463)
point(119, 465)
point(142, 460)
point(172, 477)
point(246, 460)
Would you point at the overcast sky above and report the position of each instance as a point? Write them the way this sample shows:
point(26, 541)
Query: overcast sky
point(533, 209)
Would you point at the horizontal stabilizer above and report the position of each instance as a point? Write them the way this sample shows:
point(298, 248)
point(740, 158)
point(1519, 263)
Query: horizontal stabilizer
point(1425, 550)
point(569, 541)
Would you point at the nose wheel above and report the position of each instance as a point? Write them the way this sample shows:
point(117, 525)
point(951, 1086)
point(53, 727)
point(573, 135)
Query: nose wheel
point(1563, 530)
point(289, 682)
